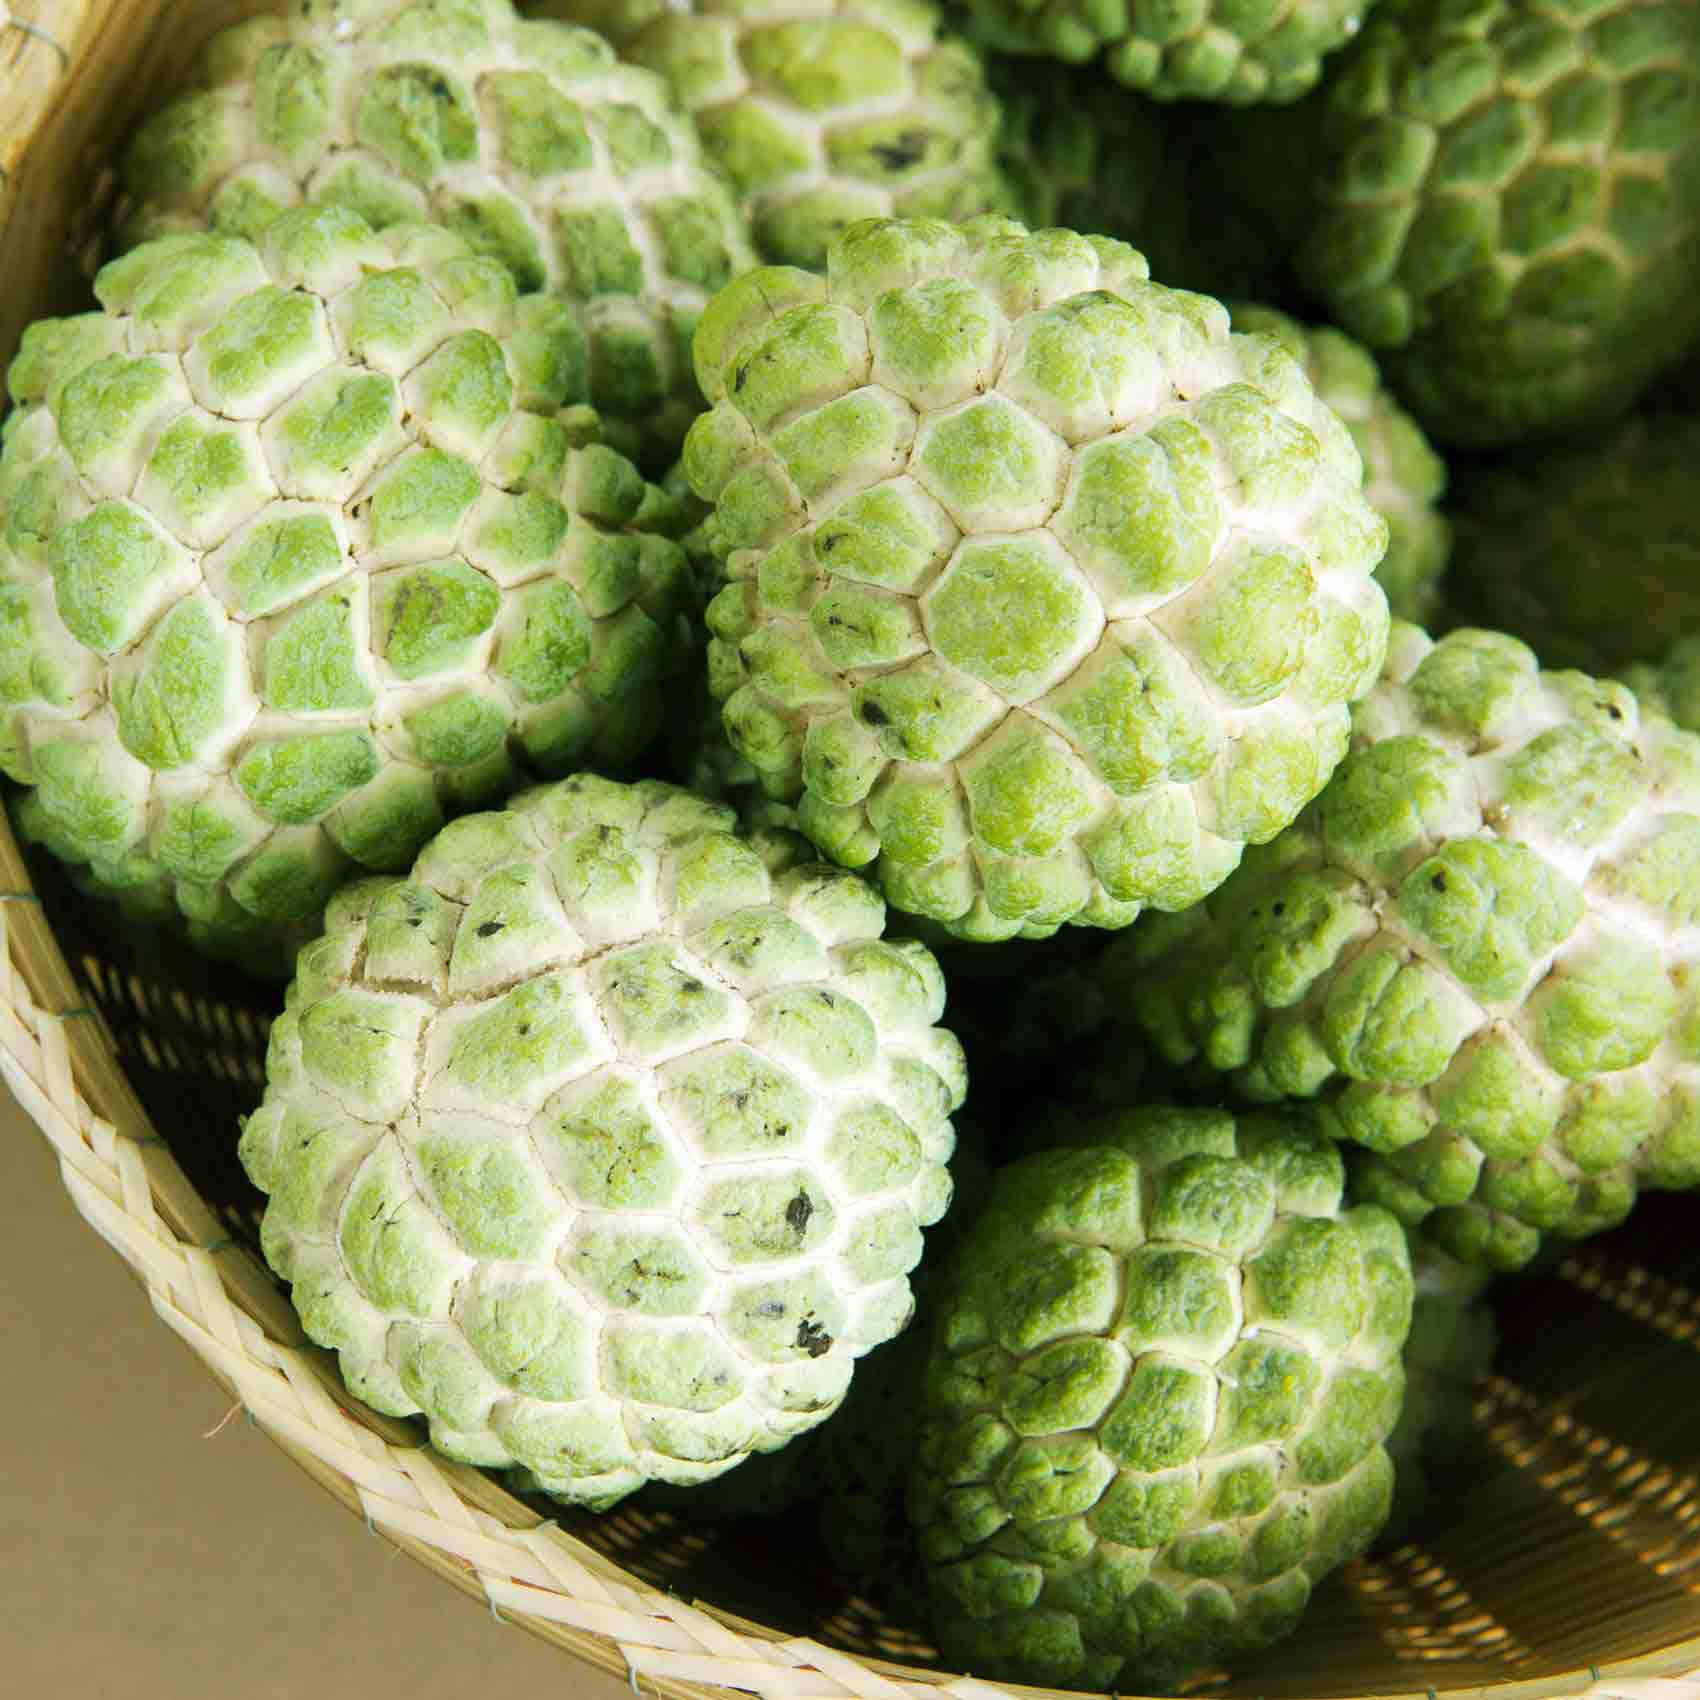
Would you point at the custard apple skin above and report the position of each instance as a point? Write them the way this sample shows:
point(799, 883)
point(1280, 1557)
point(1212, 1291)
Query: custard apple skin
point(1404, 479)
point(1477, 950)
point(1589, 554)
point(1154, 1412)
point(1509, 207)
point(1450, 1347)
point(1213, 51)
point(300, 555)
point(598, 1145)
point(525, 137)
point(1046, 594)
point(821, 112)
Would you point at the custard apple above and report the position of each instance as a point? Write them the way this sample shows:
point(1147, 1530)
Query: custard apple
point(1213, 50)
point(1450, 1347)
point(1153, 1417)
point(1404, 479)
point(1508, 205)
point(1478, 948)
point(598, 1145)
point(300, 554)
point(820, 112)
point(1590, 553)
point(526, 138)
point(1047, 594)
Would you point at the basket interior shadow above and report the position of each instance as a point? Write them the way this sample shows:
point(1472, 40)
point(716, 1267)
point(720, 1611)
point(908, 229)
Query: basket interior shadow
point(1567, 1537)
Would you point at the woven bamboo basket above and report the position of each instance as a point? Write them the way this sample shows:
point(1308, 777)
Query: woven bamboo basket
point(1563, 1560)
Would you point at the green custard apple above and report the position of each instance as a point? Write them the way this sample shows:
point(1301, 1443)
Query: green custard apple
point(301, 553)
point(1404, 479)
point(1161, 1378)
point(1477, 949)
point(524, 137)
point(821, 112)
point(1047, 593)
point(1214, 50)
point(1450, 1347)
point(1589, 553)
point(1508, 206)
point(600, 1146)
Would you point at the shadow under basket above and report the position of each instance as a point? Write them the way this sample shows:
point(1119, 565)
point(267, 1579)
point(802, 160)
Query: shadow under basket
point(1563, 1558)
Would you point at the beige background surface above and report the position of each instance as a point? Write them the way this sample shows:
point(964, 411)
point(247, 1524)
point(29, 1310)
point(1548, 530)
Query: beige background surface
point(146, 1559)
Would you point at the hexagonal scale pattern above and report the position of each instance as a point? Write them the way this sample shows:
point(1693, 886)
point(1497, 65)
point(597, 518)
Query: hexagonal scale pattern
point(1159, 1388)
point(822, 112)
point(1090, 621)
point(1508, 203)
point(392, 575)
point(523, 136)
point(629, 1215)
point(1475, 951)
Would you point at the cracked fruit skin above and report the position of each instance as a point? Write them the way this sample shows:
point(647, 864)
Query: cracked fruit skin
point(524, 136)
point(306, 546)
point(600, 1146)
point(1589, 555)
point(1046, 593)
point(1161, 1377)
point(1509, 207)
point(1210, 51)
point(821, 112)
point(1476, 950)
point(1404, 479)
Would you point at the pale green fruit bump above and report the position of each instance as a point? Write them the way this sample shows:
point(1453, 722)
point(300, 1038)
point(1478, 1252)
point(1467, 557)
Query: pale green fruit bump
point(631, 1216)
point(988, 621)
point(1163, 1367)
point(1472, 949)
point(256, 648)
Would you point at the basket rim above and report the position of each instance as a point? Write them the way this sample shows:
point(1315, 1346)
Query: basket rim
point(40, 40)
point(58, 1058)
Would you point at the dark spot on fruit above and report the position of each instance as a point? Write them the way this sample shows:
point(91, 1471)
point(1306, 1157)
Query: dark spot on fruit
point(874, 714)
point(770, 1307)
point(741, 376)
point(1438, 882)
point(489, 929)
point(1279, 909)
point(906, 150)
point(812, 1338)
point(798, 1212)
point(524, 1028)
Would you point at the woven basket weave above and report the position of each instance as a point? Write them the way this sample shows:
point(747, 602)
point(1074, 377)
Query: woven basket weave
point(1566, 1560)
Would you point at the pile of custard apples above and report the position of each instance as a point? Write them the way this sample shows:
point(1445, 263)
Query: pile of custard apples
point(902, 692)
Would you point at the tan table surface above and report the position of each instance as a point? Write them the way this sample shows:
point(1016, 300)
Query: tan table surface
point(143, 1559)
